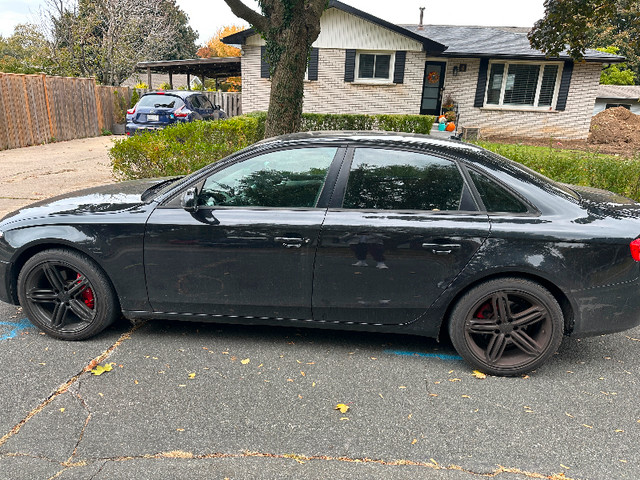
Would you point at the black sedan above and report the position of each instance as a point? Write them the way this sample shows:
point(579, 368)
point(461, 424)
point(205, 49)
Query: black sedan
point(359, 231)
point(157, 110)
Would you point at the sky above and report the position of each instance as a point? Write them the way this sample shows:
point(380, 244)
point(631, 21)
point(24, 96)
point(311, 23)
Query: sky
point(207, 16)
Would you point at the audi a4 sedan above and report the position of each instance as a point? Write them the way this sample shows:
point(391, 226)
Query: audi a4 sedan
point(346, 230)
point(157, 110)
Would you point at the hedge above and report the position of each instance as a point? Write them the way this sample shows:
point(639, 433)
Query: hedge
point(184, 148)
point(589, 169)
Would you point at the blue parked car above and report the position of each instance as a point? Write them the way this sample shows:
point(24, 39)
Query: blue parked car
point(157, 110)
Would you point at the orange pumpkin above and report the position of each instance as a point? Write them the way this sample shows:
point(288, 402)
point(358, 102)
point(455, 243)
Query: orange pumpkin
point(450, 127)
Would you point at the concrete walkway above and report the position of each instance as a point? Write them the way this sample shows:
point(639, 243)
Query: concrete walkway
point(34, 173)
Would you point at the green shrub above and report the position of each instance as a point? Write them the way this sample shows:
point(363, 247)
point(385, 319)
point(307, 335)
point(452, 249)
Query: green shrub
point(184, 148)
point(393, 123)
point(609, 172)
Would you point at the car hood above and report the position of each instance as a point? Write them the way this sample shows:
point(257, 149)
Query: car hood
point(103, 199)
point(603, 202)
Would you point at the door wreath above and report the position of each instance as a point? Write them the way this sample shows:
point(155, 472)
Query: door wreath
point(433, 77)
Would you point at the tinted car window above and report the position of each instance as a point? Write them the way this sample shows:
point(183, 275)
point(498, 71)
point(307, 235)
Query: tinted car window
point(496, 198)
point(287, 178)
point(204, 102)
point(195, 101)
point(397, 180)
point(160, 101)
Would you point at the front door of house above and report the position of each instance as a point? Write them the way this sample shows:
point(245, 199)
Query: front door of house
point(432, 88)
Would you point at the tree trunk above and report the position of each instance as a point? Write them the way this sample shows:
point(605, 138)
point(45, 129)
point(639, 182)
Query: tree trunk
point(287, 84)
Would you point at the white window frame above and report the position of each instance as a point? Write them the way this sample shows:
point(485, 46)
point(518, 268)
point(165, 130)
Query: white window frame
point(392, 64)
point(502, 105)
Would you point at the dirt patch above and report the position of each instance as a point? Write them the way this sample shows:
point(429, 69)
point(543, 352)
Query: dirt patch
point(614, 131)
point(615, 126)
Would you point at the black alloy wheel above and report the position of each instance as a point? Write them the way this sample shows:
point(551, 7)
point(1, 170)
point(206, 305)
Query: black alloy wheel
point(66, 295)
point(507, 326)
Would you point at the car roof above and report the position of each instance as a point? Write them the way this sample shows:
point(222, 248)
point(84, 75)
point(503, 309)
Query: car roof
point(175, 93)
point(376, 137)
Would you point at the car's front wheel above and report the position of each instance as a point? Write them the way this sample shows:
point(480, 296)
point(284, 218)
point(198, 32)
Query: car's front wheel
point(66, 295)
point(506, 326)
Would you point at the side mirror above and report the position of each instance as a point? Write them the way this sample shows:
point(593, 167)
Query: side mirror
point(189, 200)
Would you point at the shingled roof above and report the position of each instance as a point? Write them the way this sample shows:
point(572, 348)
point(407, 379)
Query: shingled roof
point(457, 40)
point(506, 42)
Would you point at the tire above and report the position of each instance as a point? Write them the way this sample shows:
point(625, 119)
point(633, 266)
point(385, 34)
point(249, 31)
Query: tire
point(66, 295)
point(526, 331)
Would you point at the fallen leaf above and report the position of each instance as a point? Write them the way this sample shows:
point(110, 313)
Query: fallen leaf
point(62, 410)
point(588, 426)
point(381, 396)
point(136, 382)
point(313, 384)
point(466, 396)
point(99, 370)
point(342, 407)
point(180, 429)
point(402, 386)
point(479, 374)
point(565, 467)
point(455, 380)
point(302, 373)
point(245, 361)
point(433, 394)
point(344, 418)
point(192, 375)
point(414, 441)
point(300, 396)
point(619, 431)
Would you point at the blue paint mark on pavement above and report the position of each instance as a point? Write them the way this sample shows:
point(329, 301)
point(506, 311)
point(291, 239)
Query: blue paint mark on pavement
point(14, 328)
point(441, 356)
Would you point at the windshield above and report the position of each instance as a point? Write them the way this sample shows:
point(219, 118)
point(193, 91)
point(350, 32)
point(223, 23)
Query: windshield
point(160, 101)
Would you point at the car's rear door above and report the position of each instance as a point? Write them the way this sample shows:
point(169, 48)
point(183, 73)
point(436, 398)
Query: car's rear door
point(249, 248)
point(401, 228)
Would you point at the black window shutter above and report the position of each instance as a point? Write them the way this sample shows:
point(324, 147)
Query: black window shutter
point(264, 66)
point(350, 66)
point(563, 92)
point(482, 83)
point(313, 65)
point(398, 70)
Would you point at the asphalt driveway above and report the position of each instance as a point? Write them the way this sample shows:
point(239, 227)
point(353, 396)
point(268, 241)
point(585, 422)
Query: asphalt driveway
point(192, 400)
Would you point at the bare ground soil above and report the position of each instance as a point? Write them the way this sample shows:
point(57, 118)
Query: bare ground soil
point(614, 131)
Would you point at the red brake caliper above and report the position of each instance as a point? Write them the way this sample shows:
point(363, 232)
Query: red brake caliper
point(87, 296)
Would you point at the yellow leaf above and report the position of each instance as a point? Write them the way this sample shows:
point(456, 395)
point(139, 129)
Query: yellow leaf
point(192, 375)
point(585, 425)
point(62, 410)
point(99, 369)
point(479, 374)
point(381, 395)
point(466, 396)
point(565, 467)
point(619, 431)
point(342, 407)
point(414, 441)
point(245, 361)
point(455, 380)
point(344, 418)
point(136, 382)
point(302, 373)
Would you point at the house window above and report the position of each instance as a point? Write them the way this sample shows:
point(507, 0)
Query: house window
point(523, 84)
point(613, 105)
point(377, 67)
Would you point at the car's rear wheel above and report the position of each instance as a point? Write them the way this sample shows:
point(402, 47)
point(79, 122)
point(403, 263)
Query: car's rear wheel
point(507, 326)
point(66, 295)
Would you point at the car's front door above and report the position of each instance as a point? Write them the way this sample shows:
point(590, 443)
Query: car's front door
point(407, 226)
point(249, 248)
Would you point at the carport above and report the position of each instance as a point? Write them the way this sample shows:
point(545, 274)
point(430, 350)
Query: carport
point(203, 68)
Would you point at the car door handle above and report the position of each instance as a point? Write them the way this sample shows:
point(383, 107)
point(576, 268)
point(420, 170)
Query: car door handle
point(292, 242)
point(441, 248)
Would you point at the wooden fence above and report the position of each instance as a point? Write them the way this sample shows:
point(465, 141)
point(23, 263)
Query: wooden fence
point(37, 109)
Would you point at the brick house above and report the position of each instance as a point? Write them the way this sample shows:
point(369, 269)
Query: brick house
point(363, 64)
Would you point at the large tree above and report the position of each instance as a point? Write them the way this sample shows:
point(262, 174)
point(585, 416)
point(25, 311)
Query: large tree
point(582, 24)
point(106, 38)
point(289, 28)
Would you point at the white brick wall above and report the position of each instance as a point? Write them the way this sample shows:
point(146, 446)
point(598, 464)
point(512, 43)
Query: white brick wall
point(331, 94)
